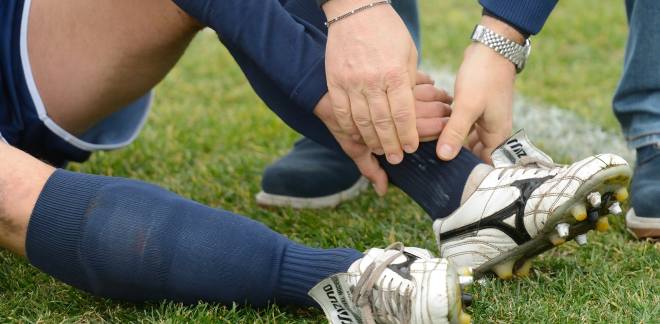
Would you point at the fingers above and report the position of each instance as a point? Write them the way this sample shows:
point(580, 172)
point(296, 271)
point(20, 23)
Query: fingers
point(431, 109)
point(479, 150)
point(423, 78)
point(362, 119)
point(472, 139)
point(430, 128)
point(371, 169)
point(382, 120)
point(341, 107)
point(428, 92)
point(402, 106)
point(457, 129)
point(490, 141)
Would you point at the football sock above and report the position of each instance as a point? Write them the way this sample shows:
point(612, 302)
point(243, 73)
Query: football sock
point(436, 185)
point(134, 241)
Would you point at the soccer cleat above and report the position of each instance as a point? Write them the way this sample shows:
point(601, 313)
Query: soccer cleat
point(395, 285)
point(527, 205)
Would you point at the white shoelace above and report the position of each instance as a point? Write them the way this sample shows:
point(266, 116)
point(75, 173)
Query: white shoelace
point(526, 161)
point(365, 297)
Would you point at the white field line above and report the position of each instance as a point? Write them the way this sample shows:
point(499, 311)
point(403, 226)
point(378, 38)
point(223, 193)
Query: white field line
point(560, 132)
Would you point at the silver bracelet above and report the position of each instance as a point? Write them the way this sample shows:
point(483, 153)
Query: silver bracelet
point(354, 11)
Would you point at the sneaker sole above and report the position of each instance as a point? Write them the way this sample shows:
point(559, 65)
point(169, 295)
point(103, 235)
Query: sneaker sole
point(330, 201)
point(611, 183)
point(643, 227)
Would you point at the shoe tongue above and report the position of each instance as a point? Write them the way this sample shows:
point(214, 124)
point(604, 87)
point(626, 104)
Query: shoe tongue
point(516, 147)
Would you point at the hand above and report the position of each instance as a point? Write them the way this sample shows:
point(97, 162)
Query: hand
point(432, 111)
point(484, 99)
point(371, 64)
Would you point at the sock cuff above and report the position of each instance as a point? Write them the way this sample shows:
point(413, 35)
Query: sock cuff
point(436, 185)
point(303, 267)
point(55, 227)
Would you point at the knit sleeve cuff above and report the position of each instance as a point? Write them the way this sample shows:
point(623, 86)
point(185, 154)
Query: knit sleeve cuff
point(525, 15)
point(312, 87)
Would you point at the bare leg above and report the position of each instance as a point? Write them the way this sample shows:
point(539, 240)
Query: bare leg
point(21, 181)
point(91, 58)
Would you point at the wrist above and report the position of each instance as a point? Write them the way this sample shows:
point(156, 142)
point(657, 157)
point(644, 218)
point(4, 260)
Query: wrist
point(502, 28)
point(334, 8)
point(477, 52)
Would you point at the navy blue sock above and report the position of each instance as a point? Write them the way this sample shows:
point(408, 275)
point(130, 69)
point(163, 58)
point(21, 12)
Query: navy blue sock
point(130, 240)
point(436, 185)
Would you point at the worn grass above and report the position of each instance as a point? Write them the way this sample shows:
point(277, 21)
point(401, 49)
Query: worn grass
point(209, 139)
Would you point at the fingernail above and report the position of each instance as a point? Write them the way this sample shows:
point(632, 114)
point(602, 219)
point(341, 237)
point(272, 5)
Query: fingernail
point(408, 148)
point(378, 151)
point(446, 151)
point(394, 158)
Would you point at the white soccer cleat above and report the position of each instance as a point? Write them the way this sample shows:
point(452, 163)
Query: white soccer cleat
point(394, 285)
point(527, 205)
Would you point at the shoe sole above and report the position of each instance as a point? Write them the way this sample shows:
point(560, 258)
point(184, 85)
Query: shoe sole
point(330, 201)
point(611, 183)
point(643, 227)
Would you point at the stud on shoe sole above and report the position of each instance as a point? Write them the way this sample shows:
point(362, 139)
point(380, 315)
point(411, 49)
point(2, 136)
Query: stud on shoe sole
point(466, 299)
point(556, 240)
point(579, 212)
point(594, 214)
point(524, 269)
point(594, 199)
point(603, 224)
point(504, 270)
point(464, 318)
point(615, 209)
point(581, 239)
point(621, 195)
point(563, 230)
point(465, 280)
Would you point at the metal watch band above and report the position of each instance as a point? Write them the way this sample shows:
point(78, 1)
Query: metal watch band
point(511, 50)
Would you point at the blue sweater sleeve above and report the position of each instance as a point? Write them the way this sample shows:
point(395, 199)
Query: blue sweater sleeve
point(526, 15)
point(290, 51)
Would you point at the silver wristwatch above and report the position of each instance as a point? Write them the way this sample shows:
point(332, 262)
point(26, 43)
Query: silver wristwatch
point(513, 51)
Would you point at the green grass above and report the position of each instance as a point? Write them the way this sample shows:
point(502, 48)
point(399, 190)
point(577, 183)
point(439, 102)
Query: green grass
point(210, 137)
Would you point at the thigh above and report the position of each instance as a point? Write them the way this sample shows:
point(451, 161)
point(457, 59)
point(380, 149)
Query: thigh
point(91, 58)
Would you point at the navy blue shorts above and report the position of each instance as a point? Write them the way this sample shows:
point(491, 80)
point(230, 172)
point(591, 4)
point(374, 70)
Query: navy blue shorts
point(24, 120)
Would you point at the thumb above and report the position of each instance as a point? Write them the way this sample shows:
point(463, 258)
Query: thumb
point(454, 134)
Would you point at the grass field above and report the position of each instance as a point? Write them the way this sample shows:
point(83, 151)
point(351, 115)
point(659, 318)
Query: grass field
point(210, 137)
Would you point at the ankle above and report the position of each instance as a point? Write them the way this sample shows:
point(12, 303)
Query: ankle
point(476, 177)
point(21, 179)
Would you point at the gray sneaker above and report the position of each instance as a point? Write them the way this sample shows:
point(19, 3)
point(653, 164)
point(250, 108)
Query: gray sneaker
point(310, 176)
point(643, 220)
